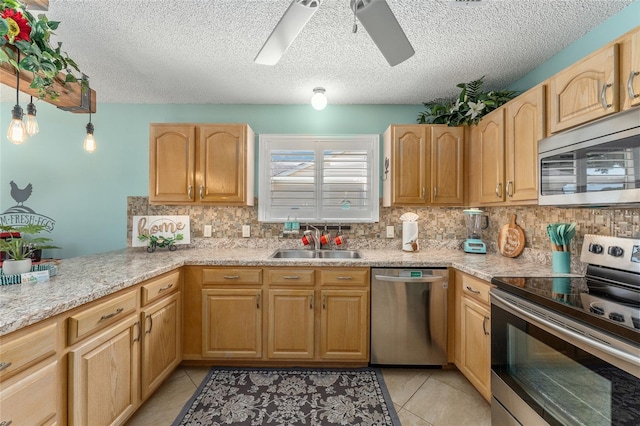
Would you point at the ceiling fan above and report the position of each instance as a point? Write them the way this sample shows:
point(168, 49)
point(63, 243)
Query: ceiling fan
point(375, 15)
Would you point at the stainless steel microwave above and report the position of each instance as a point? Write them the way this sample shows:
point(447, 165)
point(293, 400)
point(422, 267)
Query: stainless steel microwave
point(597, 164)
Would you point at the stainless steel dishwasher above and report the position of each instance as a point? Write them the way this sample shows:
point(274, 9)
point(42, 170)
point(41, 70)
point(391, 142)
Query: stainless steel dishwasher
point(409, 316)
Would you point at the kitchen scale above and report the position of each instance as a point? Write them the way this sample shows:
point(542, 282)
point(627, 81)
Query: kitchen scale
point(476, 222)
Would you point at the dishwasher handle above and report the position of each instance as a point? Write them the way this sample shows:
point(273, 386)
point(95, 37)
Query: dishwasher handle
point(427, 279)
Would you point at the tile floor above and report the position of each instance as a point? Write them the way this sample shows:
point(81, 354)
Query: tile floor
point(422, 397)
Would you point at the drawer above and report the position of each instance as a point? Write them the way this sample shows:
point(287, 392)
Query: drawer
point(290, 276)
point(32, 400)
point(345, 277)
point(18, 354)
point(99, 316)
point(232, 276)
point(476, 288)
point(156, 288)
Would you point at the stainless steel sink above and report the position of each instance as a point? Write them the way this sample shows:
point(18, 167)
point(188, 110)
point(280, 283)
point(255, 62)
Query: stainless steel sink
point(311, 254)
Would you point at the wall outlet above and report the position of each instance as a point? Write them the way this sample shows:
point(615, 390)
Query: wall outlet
point(207, 231)
point(246, 231)
point(391, 232)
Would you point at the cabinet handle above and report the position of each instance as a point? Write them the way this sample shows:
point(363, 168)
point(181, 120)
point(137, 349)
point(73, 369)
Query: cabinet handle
point(484, 328)
point(424, 192)
point(231, 277)
point(148, 317)
point(112, 314)
point(344, 278)
point(6, 422)
point(4, 366)
point(603, 96)
point(324, 302)
point(510, 188)
point(137, 325)
point(472, 290)
point(435, 192)
point(632, 74)
point(202, 192)
point(258, 300)
point(190, 192)
point(311, 302)
point(499, 190)
point(165, 288)
point(291, 277)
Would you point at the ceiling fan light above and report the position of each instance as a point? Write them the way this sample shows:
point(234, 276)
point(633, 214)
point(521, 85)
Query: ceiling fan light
point(319, 99)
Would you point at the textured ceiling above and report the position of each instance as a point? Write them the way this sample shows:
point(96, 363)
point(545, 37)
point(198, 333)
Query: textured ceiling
point(202, 51)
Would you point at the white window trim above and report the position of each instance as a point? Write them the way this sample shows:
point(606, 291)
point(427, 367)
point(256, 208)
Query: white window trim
point(286, 141)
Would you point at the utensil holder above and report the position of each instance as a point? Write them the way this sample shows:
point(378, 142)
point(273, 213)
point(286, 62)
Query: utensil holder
point(561, 262)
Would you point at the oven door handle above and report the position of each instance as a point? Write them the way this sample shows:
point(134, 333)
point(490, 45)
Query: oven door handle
point(617, 353)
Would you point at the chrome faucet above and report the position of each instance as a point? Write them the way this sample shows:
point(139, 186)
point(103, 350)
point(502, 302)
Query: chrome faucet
point(315, 237)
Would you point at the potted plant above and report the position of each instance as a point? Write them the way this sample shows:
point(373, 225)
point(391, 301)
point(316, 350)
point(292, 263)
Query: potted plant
point(19, 250)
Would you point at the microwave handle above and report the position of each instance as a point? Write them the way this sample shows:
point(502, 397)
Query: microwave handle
point(617, 353)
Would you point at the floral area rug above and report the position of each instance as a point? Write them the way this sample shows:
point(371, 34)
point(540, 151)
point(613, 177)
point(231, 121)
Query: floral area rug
point(287, 397)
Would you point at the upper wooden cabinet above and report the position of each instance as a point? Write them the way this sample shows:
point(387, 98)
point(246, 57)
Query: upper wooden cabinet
point(584, 91)
point(201, 164)
point(630, 69)
point(524, 127)
point(503, 156)
point(425, 165)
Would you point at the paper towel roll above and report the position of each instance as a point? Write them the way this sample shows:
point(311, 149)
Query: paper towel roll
point(409, 236)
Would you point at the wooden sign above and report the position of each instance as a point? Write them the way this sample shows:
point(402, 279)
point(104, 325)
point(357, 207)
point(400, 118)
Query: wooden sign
point(511, 239)
point(165, 226)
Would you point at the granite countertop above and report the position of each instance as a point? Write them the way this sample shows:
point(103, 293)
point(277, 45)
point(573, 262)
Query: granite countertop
point(83, 279)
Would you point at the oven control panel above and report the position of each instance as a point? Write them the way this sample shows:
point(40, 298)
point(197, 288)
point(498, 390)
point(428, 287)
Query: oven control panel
point(612, 252)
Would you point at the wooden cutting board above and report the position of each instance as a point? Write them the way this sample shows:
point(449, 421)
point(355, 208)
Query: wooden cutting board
point(511, 239)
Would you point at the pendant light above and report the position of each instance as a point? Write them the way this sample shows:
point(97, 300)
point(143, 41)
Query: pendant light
point(319, 99)
point(89, 144)
point(17, 134)
point(31, 123)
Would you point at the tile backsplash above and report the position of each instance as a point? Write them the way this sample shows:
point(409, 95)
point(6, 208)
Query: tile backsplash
point(440, 224)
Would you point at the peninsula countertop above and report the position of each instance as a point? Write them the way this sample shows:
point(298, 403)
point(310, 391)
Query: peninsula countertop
point(84, 279)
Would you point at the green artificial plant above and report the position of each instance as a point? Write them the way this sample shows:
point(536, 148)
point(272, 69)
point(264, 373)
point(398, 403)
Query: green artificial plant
point(20, 248)
point(467, 108)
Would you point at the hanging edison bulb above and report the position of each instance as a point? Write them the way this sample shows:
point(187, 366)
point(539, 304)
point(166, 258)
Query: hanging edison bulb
point(89, 144)
point(16, 134)
point(31, 123)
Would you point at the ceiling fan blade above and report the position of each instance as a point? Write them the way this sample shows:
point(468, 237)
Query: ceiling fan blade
point(383, 28)
point(37, 4)
point(287, 29)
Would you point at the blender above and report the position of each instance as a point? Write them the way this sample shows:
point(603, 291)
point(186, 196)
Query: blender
point(476, 222)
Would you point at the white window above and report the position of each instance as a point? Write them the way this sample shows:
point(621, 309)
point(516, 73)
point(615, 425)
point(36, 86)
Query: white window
point(318, 178)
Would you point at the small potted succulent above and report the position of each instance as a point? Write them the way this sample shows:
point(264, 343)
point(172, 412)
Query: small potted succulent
point(19, 250)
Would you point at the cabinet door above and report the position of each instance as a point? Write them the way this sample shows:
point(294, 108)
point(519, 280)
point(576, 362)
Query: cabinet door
point(291, 324)
point(222, 163)
point(161, 342)
point(585, 91)
point(172, 163)
point(488, 165)
point(344, 325)
point(232, 323)
point(409, 168)
point(630, 70)
point(524, 127)
point(103, 376)
point(476, 345)
point(447, 152)
point(32, 399)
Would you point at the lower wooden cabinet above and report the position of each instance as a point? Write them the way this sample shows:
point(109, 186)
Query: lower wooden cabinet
point(161, 342)
point(103, 376)
point(232, 323)
point(32, 398)
point(473, 331)
point(291, 324)
point(344, 330)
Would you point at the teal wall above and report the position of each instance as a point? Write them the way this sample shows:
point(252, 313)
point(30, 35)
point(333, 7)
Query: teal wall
point(86, 193)
point(614, 27)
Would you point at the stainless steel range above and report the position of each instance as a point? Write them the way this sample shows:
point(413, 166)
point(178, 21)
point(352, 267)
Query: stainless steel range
point(566, 350)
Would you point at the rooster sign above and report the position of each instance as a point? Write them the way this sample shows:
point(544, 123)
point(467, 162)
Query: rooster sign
point(20, 215)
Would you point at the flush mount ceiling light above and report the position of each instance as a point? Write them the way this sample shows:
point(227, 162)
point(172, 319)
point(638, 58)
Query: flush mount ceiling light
point(319, 99)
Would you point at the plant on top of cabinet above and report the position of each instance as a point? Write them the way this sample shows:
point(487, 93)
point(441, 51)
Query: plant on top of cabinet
point(467, 108)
